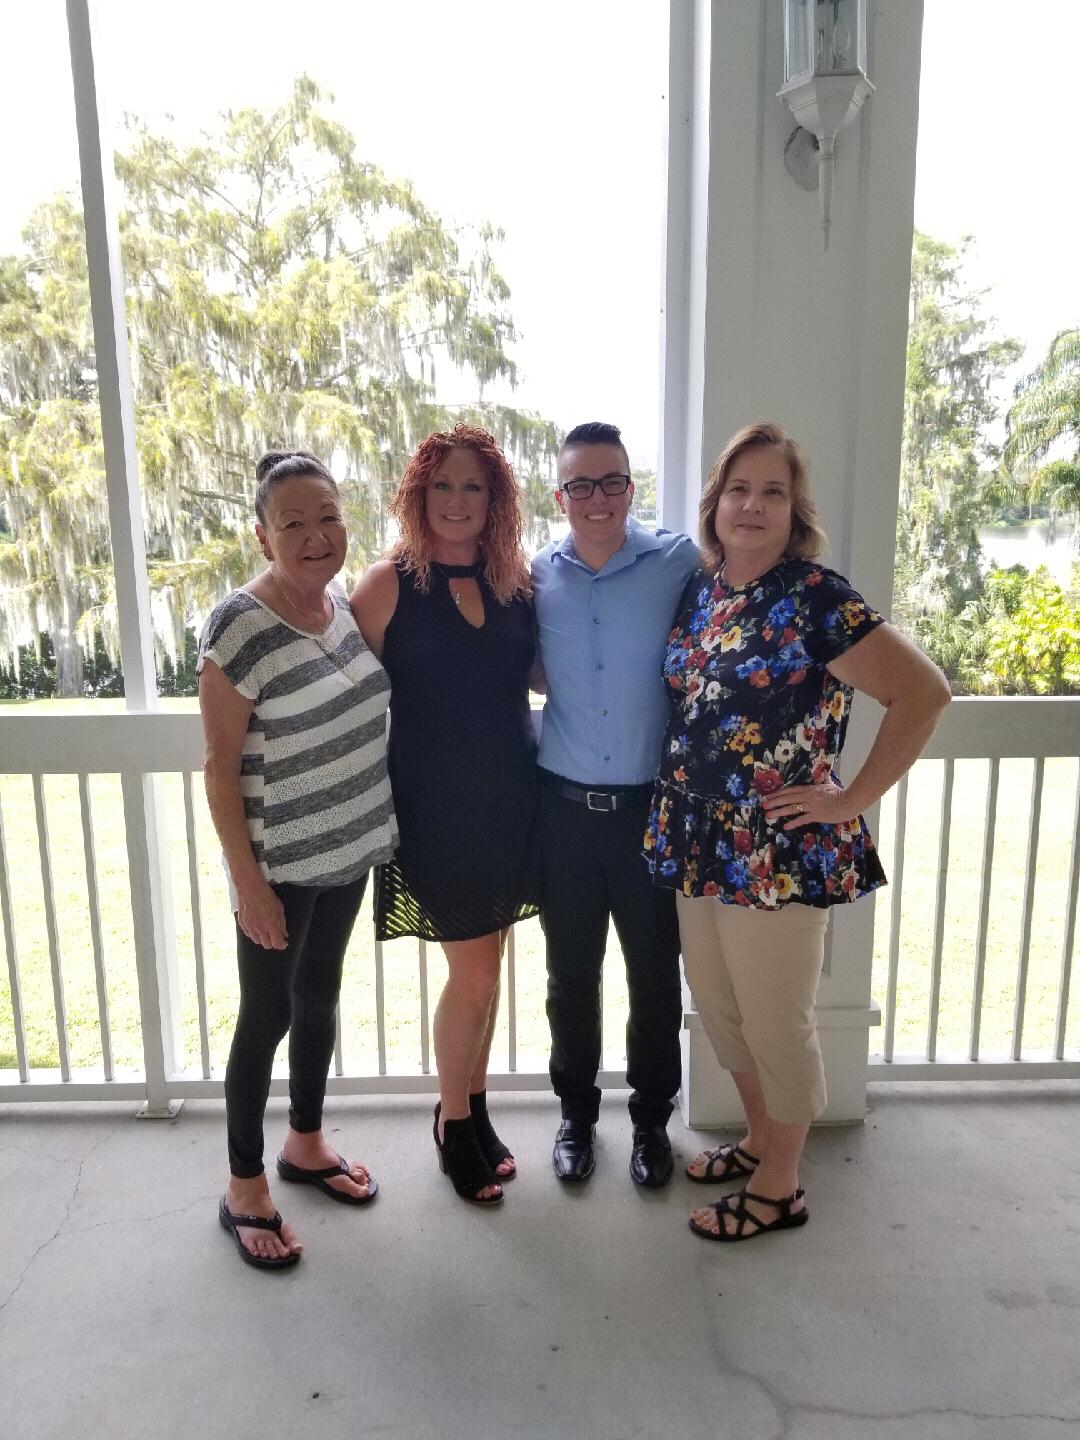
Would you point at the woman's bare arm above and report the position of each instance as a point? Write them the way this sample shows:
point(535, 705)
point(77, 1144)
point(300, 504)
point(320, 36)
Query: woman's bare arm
point(913, 692)
point(225, 716)
point(373, 603)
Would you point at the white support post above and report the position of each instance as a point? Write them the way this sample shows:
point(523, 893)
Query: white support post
point(679, 457)
point(148, 873)
point(151, 914)
point(774, 327)
point(7, 919)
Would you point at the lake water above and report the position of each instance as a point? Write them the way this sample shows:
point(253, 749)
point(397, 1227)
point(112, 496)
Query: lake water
point(1012, 545)
point(1028, 545)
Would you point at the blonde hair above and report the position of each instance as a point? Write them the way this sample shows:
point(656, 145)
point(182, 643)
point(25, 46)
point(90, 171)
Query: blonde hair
point(807, 539)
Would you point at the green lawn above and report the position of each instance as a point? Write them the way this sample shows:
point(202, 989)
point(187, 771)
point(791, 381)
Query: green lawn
point(360, 1040)
point(961, 909)
point(401, 962)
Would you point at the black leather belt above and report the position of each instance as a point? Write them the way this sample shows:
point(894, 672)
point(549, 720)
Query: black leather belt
point(605, 800)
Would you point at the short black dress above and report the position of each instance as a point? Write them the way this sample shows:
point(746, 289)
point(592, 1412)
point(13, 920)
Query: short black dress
point(462, 757)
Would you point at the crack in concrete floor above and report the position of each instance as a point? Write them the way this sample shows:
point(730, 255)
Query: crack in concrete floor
point(790, 1416)
point(67, 1209)
point(788, 1410)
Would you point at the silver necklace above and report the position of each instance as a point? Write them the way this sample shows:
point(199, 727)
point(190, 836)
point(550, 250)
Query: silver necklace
point(317, 639)
point(291, 603)
point(455, 591)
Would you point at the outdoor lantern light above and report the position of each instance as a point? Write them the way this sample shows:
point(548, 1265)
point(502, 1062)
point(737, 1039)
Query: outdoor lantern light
point(825, 80)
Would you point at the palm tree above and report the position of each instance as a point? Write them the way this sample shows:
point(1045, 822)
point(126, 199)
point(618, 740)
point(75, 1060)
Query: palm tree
point(1047, 410)
point(1059, 485)
point(1047, 404)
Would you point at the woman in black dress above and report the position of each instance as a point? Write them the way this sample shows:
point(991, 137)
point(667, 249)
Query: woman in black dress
point(449, 616)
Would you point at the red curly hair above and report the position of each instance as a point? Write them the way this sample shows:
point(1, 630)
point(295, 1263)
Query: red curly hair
point(502, 555)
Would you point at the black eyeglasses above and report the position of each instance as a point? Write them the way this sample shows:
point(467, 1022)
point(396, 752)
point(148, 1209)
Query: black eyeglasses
point(585, 489)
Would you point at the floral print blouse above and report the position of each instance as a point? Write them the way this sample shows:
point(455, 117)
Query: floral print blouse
point(755, 708)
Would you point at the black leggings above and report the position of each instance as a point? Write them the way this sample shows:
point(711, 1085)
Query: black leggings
point(294, 989)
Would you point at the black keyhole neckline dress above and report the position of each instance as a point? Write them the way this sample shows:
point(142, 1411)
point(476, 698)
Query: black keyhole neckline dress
point(462, 759)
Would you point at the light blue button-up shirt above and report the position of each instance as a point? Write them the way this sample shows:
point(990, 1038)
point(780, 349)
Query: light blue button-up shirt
point(602, 640)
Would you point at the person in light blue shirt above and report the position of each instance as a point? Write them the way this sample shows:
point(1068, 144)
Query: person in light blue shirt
point(605, 598)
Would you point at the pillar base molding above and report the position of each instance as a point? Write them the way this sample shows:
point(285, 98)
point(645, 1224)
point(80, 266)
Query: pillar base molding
point(709, 1100)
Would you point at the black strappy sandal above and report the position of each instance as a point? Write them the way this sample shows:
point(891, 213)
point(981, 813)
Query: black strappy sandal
point(232, 1223)
point(461, 1158)
point(738, 1164)
point(735, 1206)
point(494, 1151)
point(297, 1176)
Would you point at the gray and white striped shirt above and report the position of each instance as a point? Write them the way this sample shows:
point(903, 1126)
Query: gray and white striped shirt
point(313, 774)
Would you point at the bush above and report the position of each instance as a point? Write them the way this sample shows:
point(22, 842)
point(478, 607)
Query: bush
point(1021, 636)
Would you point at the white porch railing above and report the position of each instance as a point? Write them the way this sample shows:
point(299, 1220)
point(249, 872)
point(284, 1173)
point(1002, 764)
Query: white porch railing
point(960, 901)
point(1029, 748)
point(74, 860)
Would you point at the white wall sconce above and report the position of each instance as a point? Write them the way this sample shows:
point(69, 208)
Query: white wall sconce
point(825, 84)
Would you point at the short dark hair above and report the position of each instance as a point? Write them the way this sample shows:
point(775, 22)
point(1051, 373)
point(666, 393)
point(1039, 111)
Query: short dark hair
point(278, 465)
point(596, 432)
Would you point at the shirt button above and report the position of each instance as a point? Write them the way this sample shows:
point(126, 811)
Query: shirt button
point(607, 757)
point(596, 620)
point(600, 666)
point(603, 712)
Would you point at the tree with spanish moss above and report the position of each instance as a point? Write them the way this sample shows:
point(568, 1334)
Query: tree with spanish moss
point(280, 292)
point(953, 367)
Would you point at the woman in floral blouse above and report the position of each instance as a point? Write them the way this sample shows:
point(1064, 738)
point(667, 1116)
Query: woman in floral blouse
point(750, 824)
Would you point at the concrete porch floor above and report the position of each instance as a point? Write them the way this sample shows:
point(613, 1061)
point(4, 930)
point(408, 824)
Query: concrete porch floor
point(935, 1293)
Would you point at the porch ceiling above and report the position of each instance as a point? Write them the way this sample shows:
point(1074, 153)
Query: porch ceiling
point(935, 1292)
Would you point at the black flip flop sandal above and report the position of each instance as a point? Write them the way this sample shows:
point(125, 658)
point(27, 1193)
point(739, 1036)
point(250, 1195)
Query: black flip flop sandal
point(296, 1176)
point(737, 1164)
point(232, 1223)
point(735, 1206)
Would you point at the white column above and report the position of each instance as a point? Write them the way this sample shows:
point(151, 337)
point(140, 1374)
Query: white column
point(778, 328)
point(682, 297)
point(151, 900)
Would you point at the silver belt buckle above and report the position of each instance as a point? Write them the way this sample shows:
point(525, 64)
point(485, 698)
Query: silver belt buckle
point(599, 795)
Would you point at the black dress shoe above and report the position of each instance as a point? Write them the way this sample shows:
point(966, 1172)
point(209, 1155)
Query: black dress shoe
point(574, 1157)
point(651, 1163)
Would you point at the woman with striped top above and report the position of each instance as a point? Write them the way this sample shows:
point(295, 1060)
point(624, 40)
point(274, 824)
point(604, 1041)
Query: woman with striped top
point(294, 715)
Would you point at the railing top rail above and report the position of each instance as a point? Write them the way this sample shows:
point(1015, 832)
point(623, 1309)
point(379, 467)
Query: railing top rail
point(977, 726)
point(973, 727)
point(129, 740)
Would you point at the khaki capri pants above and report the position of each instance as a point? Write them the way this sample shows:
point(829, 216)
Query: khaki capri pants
point(753, 975)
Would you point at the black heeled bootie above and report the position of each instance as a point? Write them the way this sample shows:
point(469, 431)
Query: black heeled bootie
point(461, 1158)
point(495, 1152)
